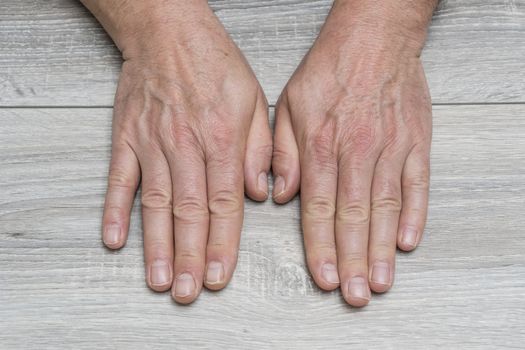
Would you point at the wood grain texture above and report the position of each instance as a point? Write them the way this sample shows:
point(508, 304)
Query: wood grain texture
point(59, 288)
point(53, 53)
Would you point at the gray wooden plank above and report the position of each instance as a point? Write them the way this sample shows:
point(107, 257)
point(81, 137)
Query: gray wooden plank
point(59, 288)
point(54, 53)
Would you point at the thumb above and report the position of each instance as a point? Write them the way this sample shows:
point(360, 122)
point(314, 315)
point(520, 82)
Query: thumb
point(285, 163)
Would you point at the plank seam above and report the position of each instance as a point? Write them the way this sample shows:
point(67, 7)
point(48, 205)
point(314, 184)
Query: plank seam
point(270, 106)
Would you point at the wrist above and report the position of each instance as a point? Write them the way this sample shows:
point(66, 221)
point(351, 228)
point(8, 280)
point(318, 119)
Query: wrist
point(137, 26)
point(401, 24)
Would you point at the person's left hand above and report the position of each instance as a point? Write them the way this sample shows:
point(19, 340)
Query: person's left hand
point(353, 128)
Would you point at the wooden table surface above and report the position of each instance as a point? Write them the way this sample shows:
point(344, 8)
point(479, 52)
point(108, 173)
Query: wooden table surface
point(464, 288)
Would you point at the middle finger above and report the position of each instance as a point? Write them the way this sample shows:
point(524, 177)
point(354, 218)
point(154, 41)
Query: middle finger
point(352, 226)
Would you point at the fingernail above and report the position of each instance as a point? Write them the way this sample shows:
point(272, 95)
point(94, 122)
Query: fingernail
point(278, 186)
point(159, 273)
point(262, 183)
point(329, 273)
point(184, 285)
point(381, 273)
point(112, 234)
point(214, 273)
point(357, 288)
point(410, 237)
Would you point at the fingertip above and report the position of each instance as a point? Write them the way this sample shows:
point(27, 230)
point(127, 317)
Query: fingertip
point(262, 185)
point(284, 189)
point(215, 277)
point(327, 277)
point(160, 288)
point(357, 292)
point(408, 239)
point(159, 276)
point(257, 189)
point(184, 300)
point(286, 174)
point(357, 302)
point(381, 277)
point(116, 246)
point(379, 288)
point(184, 289)
point(279, 187)
point(407, 249)
point(113, 236)
point(220, 266)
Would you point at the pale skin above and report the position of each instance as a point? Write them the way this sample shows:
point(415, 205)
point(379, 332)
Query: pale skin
point(353, 131)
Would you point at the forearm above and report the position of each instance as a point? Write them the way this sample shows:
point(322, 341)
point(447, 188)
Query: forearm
point(131, 23)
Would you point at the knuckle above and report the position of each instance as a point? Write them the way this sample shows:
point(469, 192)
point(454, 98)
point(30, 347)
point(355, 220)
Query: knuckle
point(190, 209)
point(224, 248)
point(221, 135)
point(282, 154)
point(419, 182)
point(183, 137)
point(120, 178)
point(283, 161)
point(389, 187)
point(158, 247)
point(316, 249)
point(384, 249)
point(319, 208)
point(387, 197)
point(356, 212)
point(181, 132)
point(353, 259)
point(320, 144)
point(387, 204)
point(418, 128)
point(156, 198)
point(224, 203)
point(265, 151)
point(218, 245)
point(361, 140)
point(393, 133)
point(188, 253)
point(114, 212)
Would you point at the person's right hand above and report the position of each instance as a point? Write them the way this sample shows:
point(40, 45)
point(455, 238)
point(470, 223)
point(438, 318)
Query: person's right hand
point(190, 117)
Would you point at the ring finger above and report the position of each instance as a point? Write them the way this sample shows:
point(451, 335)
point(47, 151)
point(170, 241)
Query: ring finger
point(386, 207)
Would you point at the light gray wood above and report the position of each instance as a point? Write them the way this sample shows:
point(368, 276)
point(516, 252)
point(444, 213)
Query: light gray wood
point(54, 53)
point(59, 288)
